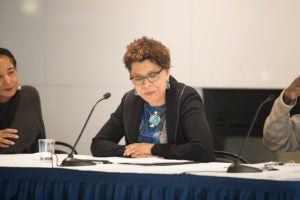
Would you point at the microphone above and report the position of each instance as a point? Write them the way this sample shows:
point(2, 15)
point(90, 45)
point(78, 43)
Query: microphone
point(70, 160)
point(236, 167)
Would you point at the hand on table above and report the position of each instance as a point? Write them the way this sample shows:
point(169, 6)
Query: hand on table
point(139, 150)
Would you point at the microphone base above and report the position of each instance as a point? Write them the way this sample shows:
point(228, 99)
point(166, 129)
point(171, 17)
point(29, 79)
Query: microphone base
point(76, 162)
point(239, 168)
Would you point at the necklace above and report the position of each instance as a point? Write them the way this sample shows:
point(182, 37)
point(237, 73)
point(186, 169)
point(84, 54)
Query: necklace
point(154, 118)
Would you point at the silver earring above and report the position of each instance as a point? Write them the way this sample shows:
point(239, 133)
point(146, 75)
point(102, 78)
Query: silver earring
point(168, 85)
point(135, 93)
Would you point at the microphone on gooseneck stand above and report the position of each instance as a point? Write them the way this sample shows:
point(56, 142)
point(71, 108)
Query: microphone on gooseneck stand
point(236, 167)
point(70, 160)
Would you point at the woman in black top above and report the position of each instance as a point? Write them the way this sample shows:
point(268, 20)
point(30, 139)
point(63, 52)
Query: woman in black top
point(160, 117)
point(21, 123)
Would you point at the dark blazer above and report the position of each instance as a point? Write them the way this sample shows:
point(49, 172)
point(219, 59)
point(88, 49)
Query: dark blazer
point(188, 133)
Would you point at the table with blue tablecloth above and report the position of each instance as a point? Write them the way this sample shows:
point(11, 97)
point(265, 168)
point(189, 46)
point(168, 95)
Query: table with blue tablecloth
point(117, 181)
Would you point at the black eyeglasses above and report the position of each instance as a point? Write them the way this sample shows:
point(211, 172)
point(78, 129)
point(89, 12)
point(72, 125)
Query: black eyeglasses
point(152, 77)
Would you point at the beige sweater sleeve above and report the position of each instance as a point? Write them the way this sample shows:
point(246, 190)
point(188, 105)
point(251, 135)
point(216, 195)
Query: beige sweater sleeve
point(281, 131)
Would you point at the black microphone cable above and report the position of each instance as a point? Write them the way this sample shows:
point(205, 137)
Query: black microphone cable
point(236, 167)
point(70, 160)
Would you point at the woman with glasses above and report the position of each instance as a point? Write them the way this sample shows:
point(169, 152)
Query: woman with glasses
point(160, 117)
point(21, 123)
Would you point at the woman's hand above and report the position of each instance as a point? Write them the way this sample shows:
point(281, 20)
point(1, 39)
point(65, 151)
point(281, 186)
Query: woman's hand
point(292, 92)
point(139, 150)
point(5, 135)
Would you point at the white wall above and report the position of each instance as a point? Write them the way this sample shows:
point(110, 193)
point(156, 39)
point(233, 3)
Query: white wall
point(72, 50)
point(242, 43)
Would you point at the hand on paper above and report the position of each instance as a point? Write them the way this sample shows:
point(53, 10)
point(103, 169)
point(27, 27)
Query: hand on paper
point(139, 150)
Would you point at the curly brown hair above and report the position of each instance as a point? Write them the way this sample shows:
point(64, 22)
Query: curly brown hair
point(147, 49)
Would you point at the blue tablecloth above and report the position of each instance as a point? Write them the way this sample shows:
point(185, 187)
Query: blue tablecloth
point(59, 183)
